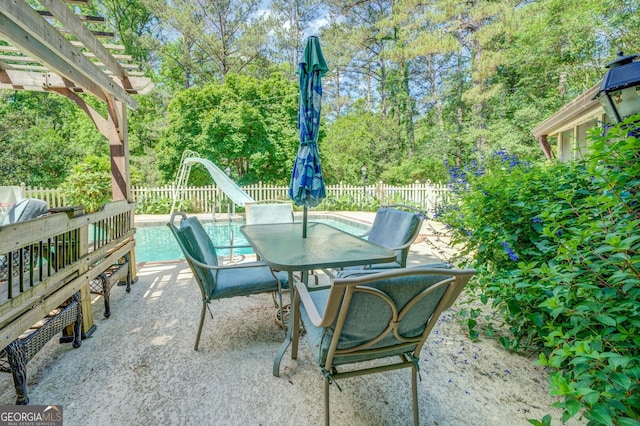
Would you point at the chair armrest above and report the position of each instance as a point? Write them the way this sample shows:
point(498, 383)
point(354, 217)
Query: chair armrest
point(329, 272)
point(306, 300)
point(330, 312)
point(257, 264)
point(403, 246)
point(234, 246)
point(366, 234)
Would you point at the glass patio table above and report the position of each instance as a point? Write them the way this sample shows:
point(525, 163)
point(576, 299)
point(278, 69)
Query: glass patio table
point(282, 247)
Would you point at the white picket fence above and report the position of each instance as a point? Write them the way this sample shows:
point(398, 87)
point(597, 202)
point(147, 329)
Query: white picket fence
point(53, 197)
point(207, 198)
point(210, 198)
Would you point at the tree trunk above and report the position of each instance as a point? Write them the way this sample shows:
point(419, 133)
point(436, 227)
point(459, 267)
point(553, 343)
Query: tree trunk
point(411, 139)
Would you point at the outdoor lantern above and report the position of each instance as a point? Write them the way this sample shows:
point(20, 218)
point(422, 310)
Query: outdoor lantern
point(364, 180)
point(619, 92)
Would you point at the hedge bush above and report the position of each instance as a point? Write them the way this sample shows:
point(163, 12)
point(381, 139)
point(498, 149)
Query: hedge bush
point(558, 250)
point(89, 183)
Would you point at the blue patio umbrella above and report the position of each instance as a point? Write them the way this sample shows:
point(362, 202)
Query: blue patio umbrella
point(307, 185)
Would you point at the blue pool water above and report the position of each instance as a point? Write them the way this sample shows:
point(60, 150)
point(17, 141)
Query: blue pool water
point(156, 243)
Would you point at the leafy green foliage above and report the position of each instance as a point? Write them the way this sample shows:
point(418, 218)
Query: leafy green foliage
point(35, 147)
point(558, 251)
point(357, 139)
point(415, 169)
point(246, 124)
point(89, 184)
point(410, 84)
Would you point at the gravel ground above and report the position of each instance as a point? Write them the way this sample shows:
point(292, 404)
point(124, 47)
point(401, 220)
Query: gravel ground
point(139, 368)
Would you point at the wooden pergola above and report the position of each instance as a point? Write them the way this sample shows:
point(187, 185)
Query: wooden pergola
point(53, 49)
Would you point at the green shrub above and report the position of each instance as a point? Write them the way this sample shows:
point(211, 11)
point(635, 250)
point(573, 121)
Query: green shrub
point(558, 250)
point(154, 205)
point(89, 184)
point(162, 205)
point(345, 202)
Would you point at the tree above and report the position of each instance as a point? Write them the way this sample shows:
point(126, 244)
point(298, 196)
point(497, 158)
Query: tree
point(291, 18)
point(335, 90)
point(243, 123)
point(133, 24)
point(356, 139)
point(36, 146)
point(209, 39)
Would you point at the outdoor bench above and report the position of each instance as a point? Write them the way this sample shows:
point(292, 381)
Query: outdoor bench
point(14, 358)
point(118, 273)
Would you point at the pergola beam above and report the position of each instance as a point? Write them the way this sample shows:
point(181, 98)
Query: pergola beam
point(53, 62)
point(65, 61)
point(83, 18)
point(12, 77)
point(77, 28)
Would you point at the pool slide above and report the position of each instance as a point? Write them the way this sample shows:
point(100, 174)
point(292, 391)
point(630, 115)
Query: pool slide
point(228, 186)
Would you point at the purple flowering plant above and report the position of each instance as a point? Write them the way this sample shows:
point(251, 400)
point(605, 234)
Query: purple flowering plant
point(557, 246)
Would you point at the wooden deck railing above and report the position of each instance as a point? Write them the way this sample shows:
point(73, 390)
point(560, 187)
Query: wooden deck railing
point(44, 261)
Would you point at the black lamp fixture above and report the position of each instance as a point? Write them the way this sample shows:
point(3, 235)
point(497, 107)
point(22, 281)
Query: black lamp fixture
point(619, 92)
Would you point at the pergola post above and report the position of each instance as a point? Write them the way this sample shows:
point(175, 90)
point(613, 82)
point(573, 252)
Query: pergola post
point(119, 149)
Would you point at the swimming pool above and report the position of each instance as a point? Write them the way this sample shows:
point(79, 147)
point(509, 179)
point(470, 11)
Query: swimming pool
point(155, 243)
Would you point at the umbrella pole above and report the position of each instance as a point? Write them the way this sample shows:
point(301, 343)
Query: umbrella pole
point(304, 222)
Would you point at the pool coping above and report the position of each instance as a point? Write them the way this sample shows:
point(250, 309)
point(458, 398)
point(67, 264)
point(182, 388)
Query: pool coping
point(362, 218)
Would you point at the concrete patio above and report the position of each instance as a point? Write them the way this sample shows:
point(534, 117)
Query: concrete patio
point(139, 368)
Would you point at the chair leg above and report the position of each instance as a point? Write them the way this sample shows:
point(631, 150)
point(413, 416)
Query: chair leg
point(279, 304)
point(128, 278)
point(77, 324)
point(17, 358)
point(326, 401)
point(295, 325)
point(414, 391)
point(282, 311)
point(106, 295)
point(202, 314)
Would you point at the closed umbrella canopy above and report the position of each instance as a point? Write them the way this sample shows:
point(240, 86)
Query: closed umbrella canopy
point(307, 186)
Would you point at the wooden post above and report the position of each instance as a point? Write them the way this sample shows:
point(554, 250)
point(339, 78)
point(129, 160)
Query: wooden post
point(133, 270)
point(85, 292)
point(546, 148)
point(119, 148)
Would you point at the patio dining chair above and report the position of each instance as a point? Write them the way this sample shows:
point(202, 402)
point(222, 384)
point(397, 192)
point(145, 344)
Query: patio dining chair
point(272, 212)
point(269, 213)
point(220, 281)
point(265, 214)
point(395, 227)
point(372, 323)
